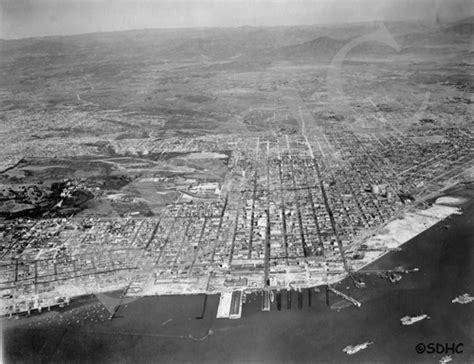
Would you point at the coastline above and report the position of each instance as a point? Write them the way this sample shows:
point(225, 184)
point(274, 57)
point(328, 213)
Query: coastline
point(166, 326)
point(390, 236)
point(400, 231)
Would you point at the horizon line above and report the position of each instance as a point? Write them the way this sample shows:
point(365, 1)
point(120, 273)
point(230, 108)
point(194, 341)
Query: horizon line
point(375, 21)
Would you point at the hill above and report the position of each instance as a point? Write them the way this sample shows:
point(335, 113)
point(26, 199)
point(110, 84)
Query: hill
point(321, 49)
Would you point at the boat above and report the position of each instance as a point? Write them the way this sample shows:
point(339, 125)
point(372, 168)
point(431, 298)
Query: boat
point(349, 350)
point(394, 277)
point(359, 283)
point(410, 320)
point(463, 299)
point(445, 359)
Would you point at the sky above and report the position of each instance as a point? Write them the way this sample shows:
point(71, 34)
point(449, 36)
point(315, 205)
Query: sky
point(37, 18)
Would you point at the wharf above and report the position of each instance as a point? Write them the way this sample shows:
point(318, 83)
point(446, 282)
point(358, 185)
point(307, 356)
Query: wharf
point(343, 295)
point(236, 305)
point(266, 301)
point(230, 305)
point(35, 304)
point(225, 300)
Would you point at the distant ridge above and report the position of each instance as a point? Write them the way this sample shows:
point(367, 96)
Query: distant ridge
point(321, 48)
point(462, 29)
point(468, 20)
point(241, 49)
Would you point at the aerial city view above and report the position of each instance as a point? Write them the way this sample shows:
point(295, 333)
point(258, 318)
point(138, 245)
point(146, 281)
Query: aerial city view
point(267, 181)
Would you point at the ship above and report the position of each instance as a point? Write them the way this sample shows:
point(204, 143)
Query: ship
point(463, 299)
point(349, 350)
point(394, 277)
point(445, 359)
point(410, 320)
point(272, 296)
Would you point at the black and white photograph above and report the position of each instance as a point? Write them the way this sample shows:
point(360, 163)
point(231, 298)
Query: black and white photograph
point(237, 181)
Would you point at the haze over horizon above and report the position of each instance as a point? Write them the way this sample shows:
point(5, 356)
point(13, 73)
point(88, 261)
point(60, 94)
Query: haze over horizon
point(38, 18)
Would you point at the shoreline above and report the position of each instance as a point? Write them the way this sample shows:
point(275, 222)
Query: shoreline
point(382, 243)
point(161, 325)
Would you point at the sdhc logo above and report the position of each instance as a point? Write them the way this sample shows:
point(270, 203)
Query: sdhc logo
point(439, 348)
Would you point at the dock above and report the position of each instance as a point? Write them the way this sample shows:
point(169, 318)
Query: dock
point(34, 304)
point(236, 305)
point(223, 310)
point(230, 305)
point(300, 299)
point(266, 301)
point(204, 304)
point(122, 296)
point(346, 297)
